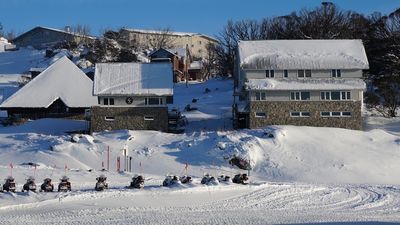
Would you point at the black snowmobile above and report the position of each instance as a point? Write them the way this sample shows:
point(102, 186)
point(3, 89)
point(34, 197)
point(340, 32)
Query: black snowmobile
point(209, 180)
point(64, 184)
point(29, 185)
point(9, 185)
point(137, 182)
point(186, 179)
point(224, 179)
point(47, 186)
point(171, 180)
point(241, 179)
point(101, 183)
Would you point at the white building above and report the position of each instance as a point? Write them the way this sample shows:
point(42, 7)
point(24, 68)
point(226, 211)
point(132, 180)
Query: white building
point(299, 82)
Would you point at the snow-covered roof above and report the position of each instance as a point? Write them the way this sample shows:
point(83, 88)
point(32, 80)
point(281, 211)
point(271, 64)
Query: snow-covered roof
point(133, 79)
point(56, 30)
point(302, 54)
point(181, 52)
point(305, 84)
point(190, 34)
point(62, 80)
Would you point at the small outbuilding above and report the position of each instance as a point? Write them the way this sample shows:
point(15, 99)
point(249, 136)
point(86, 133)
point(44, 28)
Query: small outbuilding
point(60, 91)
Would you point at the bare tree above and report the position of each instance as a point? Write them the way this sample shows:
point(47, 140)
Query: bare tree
point(162, 38)
point(81, 29)
point(209, 62)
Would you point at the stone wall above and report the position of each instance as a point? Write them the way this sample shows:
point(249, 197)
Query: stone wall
point(278, 113)
point(131, 118)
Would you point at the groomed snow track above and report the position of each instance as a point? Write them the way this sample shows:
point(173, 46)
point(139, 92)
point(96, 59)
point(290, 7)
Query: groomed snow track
point(225, 204)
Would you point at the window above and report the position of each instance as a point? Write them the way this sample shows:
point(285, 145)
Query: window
point(261, 96)
point(108, 101)
point(285, 73)
point(300, 73)
point(148, 118)
point(325, 114)
point(336, 73)
point(153, 101)
point(303, 95)
point(109, 118)
point(336, 95)
point(308, 73)
point(260, 114)
point(303, 73)
point(300, 114)
point(336, 114)
point(269, 73)
point(346, 114)
point(295, 114)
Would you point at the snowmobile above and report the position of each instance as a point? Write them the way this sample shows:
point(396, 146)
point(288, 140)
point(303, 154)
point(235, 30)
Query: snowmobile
point(224, 179)
point(185, 179)
point(240, 162)
point(209, 180)
point(170, 180)
point(101, 183)
point(9, 185)
point(29, 185)
point(241, 179)
point(64, 184)
point(47, 186)
point(137, 182)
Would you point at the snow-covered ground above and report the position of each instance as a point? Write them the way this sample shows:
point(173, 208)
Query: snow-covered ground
point(302, 175)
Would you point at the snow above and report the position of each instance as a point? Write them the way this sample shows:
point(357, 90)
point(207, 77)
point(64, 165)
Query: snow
point(62, 80)
point(302, 54)
point(305, 84)
point(181, 52)
point(133, 79)
point(3, 43)
point(19, 62)
point(196, 65)
point(301, 175)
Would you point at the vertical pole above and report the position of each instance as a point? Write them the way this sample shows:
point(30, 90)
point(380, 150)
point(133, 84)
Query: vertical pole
point(125, 164)
point(130, 164)
point(108, 158)
point(118, 163)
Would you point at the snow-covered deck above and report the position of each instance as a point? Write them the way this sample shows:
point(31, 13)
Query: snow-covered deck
point(305, 84)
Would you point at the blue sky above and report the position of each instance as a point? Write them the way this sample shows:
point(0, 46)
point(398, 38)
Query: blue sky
point(203, 16)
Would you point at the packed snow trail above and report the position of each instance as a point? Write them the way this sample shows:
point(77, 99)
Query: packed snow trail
point(224, 204)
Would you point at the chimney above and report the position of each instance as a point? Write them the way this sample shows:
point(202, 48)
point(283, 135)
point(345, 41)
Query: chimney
point(67, 29)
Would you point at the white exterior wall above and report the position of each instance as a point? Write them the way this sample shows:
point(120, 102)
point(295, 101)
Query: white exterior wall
point(137, 101)
point(260, 74)
point(356, 95)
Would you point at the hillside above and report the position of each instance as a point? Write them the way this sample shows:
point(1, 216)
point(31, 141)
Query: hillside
point(302, 174)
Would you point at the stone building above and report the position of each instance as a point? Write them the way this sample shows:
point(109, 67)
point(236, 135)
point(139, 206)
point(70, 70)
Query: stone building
point(196, 42)
point(132, 96)
point(299, 82)
point(44, 37)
